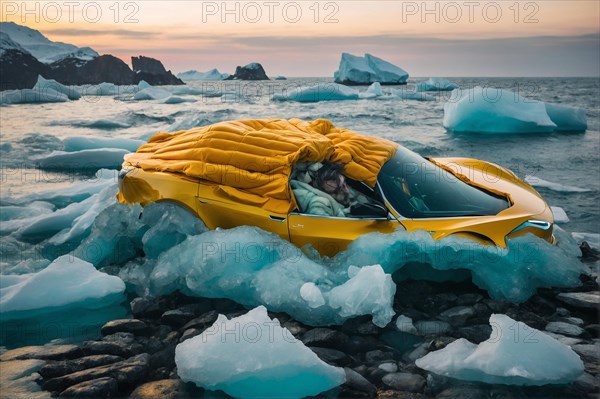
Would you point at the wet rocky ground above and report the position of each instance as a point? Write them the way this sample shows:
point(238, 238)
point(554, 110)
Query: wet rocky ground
point(135, 357)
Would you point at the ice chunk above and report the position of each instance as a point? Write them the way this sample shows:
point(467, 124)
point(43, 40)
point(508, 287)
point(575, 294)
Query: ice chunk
point(510, 274)
point(102, 89)
point(312, 295)
point(373, 91)
point(405, 324)
point(591, 238)
point(213, 74)
point(254, 267)
point(493, 110)
point(367, 70)
point(567, 119)
point(404, 94)
point(49, 84)
point(538, 182)
point(515, 354)
point(25, 96)
point(14, 212)
point(83, 160)
point(177, 100)
point(319, 92)
point(560, 216)
point(252, 356)
point(148, 92)
point(68, 282)
point(79, 143)
point(436, 84)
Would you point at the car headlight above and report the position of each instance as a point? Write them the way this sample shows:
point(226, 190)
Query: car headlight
point(538, 224)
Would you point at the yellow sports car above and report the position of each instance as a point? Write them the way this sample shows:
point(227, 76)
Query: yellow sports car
point(318, 184)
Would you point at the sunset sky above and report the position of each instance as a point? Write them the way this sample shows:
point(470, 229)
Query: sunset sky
point(306, 38)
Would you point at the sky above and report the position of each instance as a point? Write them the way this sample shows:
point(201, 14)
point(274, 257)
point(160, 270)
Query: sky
point(306, 38)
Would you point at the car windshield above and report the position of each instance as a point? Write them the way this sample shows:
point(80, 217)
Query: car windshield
point(417, 188)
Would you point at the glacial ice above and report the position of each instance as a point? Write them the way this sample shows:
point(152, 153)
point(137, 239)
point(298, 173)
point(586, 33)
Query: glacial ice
point(177, 100)
point(567, 119)
point(254, 268)
point(319, 92)
point(79, 143)
point(515, 354)
point(367, 70)
point(493, 110)
point(560, 216)
point(92, 159)
point(101, 89)
point(591, 238)
point(151, 93)
point(372, 92)
point(252, 356)
point(50, 84)
point(192, 75)
point(66, 283)
point(511, 274)
point(27, 96)
point(436, 84)
point(405, 324)
point(562, 188)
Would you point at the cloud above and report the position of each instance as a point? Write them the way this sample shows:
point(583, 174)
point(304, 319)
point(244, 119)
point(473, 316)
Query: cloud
point(105, 32)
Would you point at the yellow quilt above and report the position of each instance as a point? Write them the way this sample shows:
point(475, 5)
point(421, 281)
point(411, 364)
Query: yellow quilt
point(256, 157)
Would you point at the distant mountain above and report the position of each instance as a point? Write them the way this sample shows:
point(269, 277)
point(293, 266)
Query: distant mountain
point(252, 71)
point(152, 71)
point(18, 68)
point(42, 48)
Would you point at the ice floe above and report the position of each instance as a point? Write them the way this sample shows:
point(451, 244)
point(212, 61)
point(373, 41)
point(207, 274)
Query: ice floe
point(567, 119)
point(515, 354)
point(563, 188)
point(66, 283)
point(26, 96)
point(79, 143)
point(367, 70)
point(252, 356)
point(560, 216)
point(92, 159)
point(319, 92)
point(436, 84)
point(404, 94)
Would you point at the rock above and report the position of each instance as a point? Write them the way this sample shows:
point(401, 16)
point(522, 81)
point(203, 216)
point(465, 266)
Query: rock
point(587, 383)
point(325, 337)
point(64, 367)
point(388, 367)
point(358, 343)
point(125, 373)
point(163, 389)
point(46, 352)
point(404, 382)
point(331, 356)
point(189, 333)
point(118, 344)
point(151, 344)
point(176, 317)
point(163, 358)
point(589, 300)
point(593, 330)
point(253, 71)
point(19, 70)
point(564, 329)
point(589, 353)
point(496, 306)
point(468, 299)
point(476, 334)
point(105, 68)
point(202, 322)
point(569, 341)
point(356, 381)
point(392, 394)
point(480, 392)
point(152, 71)
point(416, 353)
point(572, 320)
point(145, 307)
point(458, 315)
point(99, 388)
point(440, 343)
point(295, 328)
point(133, 326)
point(432, 327)
point(18, 380)
point(377, 356)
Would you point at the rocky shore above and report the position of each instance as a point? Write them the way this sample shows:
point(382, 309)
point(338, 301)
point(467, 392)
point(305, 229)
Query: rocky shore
point(134, 358)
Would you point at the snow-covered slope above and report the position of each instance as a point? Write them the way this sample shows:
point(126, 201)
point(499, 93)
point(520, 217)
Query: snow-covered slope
point(6, 43)
point(41, 47)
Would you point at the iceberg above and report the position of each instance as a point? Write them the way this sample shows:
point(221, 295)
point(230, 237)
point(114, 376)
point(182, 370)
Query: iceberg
point(368, 69)
point(79, 143)
point(567, 119)
point(515, 354)
point(495, 111)
point(102, 89)
point(31, 96)
point(319, 92)
point(92, 159)
point(436, 84)
point(66, 283)
point(252, 356)
point(49, 84)
point(151, 93)
point(560, 216)
point(192, 75)
point(373, 91)
point(177, 100)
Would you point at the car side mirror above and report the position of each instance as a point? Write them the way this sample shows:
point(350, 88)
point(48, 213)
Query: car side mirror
point(369, 210)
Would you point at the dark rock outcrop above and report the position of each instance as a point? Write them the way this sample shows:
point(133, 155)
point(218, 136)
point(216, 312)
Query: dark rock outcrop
point(253, 71)
point(19, 70)
point(106, 68)
point(152, 71)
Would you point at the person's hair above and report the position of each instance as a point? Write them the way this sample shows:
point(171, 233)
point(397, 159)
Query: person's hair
point(329, 171)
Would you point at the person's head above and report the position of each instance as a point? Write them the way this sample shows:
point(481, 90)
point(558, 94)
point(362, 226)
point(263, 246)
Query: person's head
point(331, 180)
